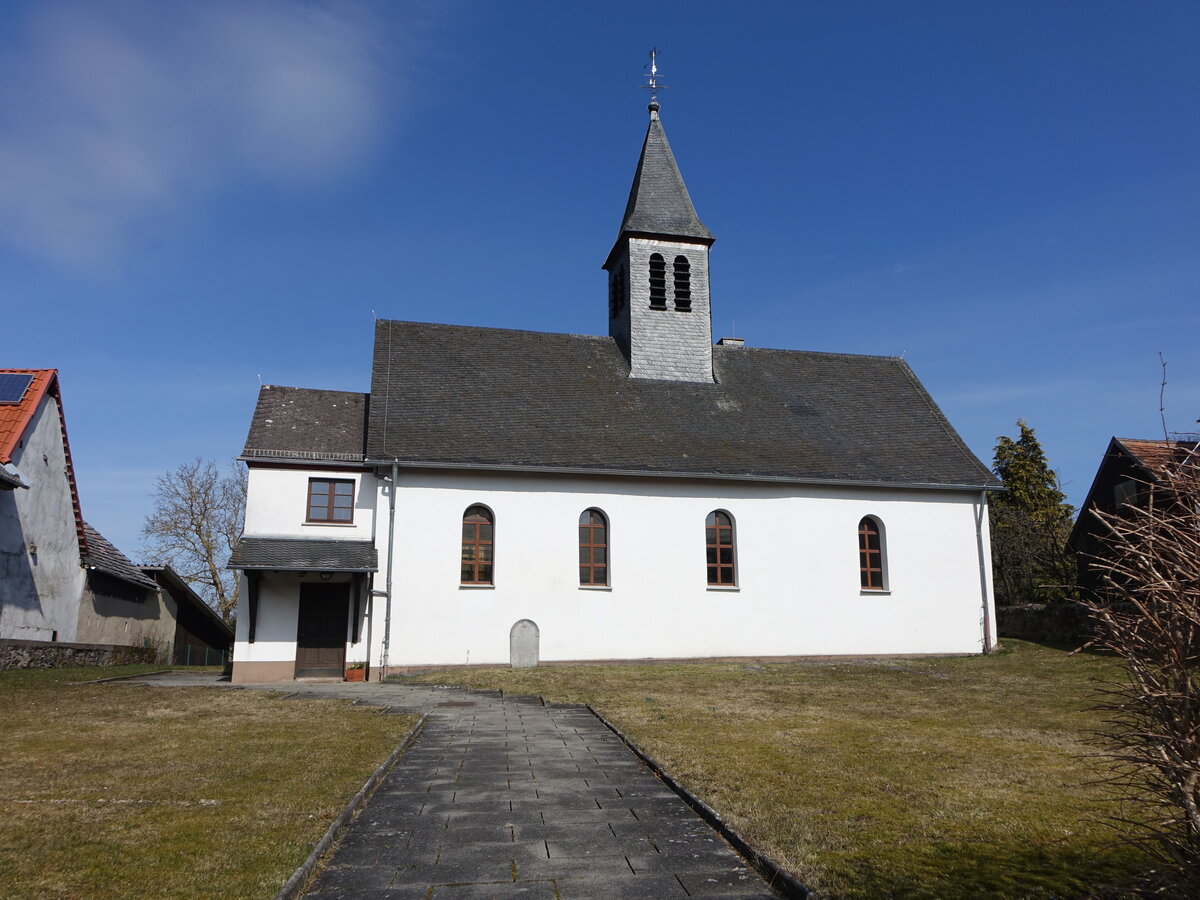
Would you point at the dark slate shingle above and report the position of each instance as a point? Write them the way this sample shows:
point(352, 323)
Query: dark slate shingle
point(300, 422)
point(99, 554)
point(304, 553)
point(659, 202)
point(484, 396)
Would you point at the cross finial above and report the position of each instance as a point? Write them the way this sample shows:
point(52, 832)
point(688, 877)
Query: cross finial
point(651, 77)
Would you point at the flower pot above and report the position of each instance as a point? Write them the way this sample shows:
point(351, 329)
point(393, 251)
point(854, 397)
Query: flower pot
point(356, 674)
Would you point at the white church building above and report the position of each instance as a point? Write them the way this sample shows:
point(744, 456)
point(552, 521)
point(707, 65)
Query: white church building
point(507, 495)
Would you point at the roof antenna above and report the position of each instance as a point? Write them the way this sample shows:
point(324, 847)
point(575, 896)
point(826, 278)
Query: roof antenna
point(651, 77)
point(1162, 393)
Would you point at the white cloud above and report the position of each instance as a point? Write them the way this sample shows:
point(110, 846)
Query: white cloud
point(113, 114)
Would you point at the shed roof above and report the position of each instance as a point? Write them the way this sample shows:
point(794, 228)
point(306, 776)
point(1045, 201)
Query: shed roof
point(102, 556)
point(183, 593)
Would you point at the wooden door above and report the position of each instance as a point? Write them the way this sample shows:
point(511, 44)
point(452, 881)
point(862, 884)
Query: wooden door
point(321, 630)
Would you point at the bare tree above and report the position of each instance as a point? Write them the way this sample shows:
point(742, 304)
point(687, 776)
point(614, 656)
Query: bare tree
point(197, 519)
point(1148, 613)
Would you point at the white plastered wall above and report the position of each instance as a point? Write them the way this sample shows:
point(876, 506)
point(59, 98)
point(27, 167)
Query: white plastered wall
point(797, 553)
point(40, 592)
point(277, 504)
point(278, 605)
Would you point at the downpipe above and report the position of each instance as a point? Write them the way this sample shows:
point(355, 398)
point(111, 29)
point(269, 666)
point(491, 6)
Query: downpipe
point(983, 570)
point(391, 553)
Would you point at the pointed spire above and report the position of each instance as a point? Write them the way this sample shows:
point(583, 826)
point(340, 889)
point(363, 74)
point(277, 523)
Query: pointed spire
point(658, 200)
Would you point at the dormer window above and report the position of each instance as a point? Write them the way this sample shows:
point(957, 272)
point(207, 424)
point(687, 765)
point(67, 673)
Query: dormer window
point(683, 284)
point(658, 281)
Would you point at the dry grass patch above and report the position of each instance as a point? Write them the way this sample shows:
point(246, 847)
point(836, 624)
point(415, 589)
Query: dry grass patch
point(129, 791)
point(939, 778)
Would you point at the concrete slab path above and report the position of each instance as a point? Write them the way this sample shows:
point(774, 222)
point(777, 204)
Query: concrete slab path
point(504, 797)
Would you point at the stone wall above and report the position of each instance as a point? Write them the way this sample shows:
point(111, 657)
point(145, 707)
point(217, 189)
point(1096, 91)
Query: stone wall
point(1046, 623)
point(51, 655)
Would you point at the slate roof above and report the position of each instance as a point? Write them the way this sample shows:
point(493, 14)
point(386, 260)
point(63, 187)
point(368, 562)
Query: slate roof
point(304, 554)
point(99, 554)
point(489, 397)
point(659, 202)
point(305, 424)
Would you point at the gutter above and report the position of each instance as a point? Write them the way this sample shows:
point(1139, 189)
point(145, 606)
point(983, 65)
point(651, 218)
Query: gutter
point(700, 476)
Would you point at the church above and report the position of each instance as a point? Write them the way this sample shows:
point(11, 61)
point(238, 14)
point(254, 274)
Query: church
point(519, 496)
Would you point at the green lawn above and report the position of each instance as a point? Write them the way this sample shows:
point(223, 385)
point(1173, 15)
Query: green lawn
point(126, 791)
point(933, 777)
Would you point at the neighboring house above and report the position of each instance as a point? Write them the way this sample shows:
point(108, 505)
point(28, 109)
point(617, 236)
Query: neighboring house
point(1128, 470)
point(60, 579)
point(521, 495)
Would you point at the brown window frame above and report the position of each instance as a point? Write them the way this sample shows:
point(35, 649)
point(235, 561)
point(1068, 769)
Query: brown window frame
point(713, 545)
point(328, 498)
point(588, 545)
point(870, 559)
point(472, 559)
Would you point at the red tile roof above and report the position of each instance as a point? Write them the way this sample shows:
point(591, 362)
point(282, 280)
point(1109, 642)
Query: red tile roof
point(1157, 455)
point(15, 417)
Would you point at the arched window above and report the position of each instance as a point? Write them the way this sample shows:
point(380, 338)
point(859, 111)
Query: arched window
point(658, 281)
point(593, 548)
point(870, 555)
point(477, 538)
point(683, 284)
point(616, 292)
point(718, 530)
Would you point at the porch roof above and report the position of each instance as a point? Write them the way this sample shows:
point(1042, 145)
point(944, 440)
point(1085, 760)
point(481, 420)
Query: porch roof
point(304, 554)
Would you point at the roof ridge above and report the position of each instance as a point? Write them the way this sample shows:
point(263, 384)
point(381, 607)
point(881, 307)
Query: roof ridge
point(296, 387)
point(829, 353)
point(598, 337)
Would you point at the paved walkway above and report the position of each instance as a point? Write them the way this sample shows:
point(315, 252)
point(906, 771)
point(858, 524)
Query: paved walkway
point(507, 797)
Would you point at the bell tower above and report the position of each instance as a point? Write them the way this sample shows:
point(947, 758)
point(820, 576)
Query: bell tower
point(658, 295)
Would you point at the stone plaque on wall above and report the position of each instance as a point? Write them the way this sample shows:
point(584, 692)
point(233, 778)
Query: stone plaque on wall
point(523, 644)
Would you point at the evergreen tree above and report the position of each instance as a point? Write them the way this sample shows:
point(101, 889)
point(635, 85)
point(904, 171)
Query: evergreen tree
point(1030, 524)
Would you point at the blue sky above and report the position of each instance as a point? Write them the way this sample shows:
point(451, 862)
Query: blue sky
point(194, 196)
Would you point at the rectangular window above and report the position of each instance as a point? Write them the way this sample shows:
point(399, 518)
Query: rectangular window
point(331, 500)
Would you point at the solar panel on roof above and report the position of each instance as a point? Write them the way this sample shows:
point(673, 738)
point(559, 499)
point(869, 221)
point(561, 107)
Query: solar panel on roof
point(13, 386)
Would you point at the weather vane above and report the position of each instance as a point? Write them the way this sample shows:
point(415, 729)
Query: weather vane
point(651, 77)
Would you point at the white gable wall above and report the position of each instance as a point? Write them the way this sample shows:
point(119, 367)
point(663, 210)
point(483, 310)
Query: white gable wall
point(798, 572)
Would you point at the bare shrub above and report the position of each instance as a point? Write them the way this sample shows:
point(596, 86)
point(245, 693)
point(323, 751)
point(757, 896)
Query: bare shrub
point(1147, 611)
